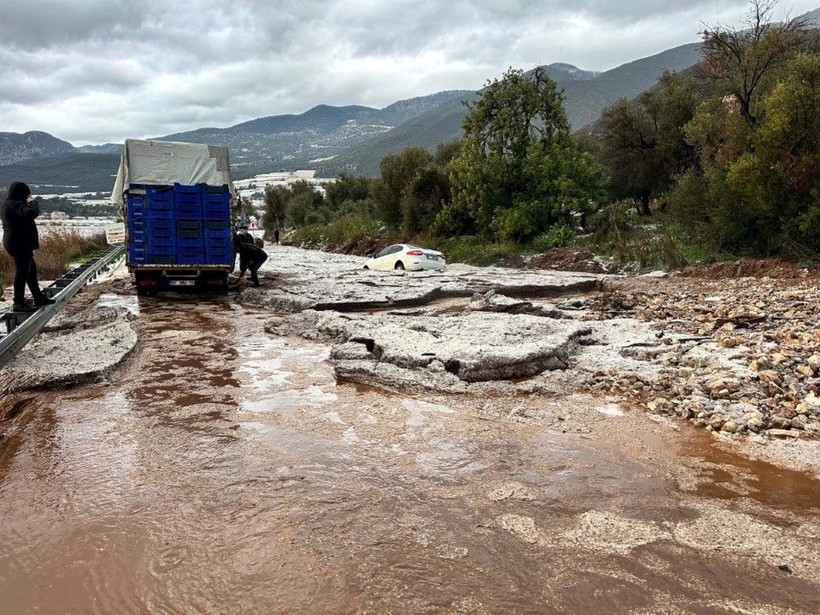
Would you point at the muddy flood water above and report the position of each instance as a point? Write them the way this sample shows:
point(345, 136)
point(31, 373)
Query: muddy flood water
point(224, 470)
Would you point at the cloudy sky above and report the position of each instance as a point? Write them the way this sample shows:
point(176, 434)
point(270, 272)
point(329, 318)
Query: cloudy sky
point(97, 71)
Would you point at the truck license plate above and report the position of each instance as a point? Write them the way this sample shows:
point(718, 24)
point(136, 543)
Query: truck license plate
point(181, 282)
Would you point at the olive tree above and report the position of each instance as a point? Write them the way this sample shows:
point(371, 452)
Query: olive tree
point(518, 171)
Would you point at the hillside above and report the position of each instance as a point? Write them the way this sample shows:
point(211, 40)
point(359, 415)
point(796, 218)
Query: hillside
point(426, 130)
point(73, 172)
point(293, 141)
point(586, 95)
point(16, 147)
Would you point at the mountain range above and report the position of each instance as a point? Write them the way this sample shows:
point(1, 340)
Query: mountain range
point(327, 138)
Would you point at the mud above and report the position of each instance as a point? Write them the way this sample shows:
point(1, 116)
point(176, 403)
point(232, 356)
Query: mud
point(219, 467)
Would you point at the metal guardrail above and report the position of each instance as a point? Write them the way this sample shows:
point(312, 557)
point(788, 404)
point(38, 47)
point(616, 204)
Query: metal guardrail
point(18, 328)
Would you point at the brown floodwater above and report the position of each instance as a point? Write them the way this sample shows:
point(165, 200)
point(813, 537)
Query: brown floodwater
point(224, 470)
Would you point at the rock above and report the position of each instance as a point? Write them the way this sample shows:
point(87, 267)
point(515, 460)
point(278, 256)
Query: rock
point(730, 427)
point(770, 375)
point(783, 433)
point(812, 399)
point(799, 422)
point(779, 422)
point(758, 365)
point(755, 425)
point(716, 422)
point(716, 385)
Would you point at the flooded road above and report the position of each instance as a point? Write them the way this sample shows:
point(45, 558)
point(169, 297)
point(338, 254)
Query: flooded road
point(224, 470)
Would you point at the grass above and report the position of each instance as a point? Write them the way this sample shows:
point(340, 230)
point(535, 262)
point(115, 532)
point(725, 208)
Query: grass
point(632, 242)
point(473, 250)
point(57, 251)
point(344, 228)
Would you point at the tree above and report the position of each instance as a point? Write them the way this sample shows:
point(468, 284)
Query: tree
point(517, 171)
point(643, 145)
point(754, 189)
point(275, 207)
point(346, 188)
point(423, 199)
point(397, 174)
point(744, 62)
point(787, 151)
point(446, 152)
point(246, 206)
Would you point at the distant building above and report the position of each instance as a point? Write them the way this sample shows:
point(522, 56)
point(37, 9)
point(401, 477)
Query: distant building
point(59, 215)
point(258, 183)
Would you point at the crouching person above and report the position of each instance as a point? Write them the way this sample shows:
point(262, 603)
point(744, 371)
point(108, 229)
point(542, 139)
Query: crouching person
point(251, 258)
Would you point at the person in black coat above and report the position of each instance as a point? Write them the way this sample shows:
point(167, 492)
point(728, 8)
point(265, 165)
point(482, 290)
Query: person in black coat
point(20, 239)
point(251, 256)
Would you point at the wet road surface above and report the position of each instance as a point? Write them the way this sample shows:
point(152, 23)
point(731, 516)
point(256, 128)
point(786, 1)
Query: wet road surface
point(224, 470)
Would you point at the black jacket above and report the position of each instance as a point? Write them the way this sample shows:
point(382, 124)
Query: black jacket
point(19, 228)
point(251, 256)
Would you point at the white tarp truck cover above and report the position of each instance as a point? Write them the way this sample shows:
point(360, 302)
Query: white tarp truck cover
point(167, 162)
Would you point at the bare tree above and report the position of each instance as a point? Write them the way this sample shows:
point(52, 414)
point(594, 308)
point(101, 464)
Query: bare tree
point(744, 61)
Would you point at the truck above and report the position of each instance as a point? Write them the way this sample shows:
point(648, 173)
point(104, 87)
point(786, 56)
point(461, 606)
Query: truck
point(176, 200)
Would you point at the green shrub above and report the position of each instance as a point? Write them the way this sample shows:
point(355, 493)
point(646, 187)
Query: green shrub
point(347, 227)
point(557, 236)
point(473, 250)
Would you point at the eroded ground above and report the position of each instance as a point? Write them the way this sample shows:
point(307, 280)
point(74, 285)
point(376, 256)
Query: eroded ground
point(251, 454)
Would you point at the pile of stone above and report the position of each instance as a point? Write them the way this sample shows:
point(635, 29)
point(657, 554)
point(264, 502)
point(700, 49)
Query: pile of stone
point(741, 355)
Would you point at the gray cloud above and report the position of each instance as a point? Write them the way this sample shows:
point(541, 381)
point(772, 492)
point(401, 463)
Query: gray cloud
point(91, 71)
point(50, 23)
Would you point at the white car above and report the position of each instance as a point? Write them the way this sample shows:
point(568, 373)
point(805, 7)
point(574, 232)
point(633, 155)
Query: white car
point(406, 256)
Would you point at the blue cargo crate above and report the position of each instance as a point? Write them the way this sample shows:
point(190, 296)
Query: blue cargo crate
point(215, 241)
point(219, 238)
point(219, 258)
point(137, 254)
point(218, 225)
point(190, 255)
point(180, 224)
point(189, 228)
point(218, 230)
point(161, 202)
point(161, 231)
point(161, 259)
point(216, 202)
point(188, 201)
point(161, 245)
point(193, 189)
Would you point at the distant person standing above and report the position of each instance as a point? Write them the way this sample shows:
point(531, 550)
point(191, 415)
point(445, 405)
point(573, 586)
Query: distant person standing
point(20, 239)
point(276, 236)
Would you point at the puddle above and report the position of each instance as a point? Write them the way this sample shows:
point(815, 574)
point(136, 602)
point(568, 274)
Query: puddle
point(727, 476)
